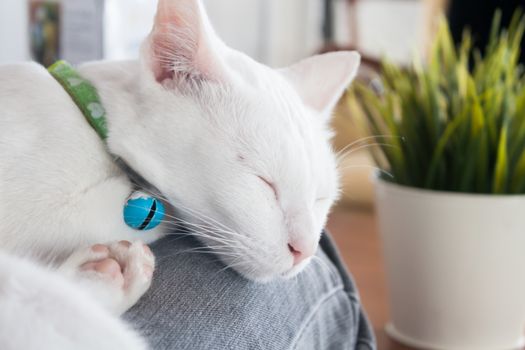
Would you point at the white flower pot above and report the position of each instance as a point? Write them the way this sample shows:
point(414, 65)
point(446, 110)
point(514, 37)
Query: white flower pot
point(456, 267)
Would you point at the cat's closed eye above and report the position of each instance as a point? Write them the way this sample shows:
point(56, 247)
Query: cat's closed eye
point(271, 185)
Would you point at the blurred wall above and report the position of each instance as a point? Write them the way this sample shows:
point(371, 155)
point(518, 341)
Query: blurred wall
point(13, 30)
point(276, 32)
point(391, 28)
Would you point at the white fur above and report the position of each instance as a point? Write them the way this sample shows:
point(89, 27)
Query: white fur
point(203, 123)
point(40, 309)
point(116, 293)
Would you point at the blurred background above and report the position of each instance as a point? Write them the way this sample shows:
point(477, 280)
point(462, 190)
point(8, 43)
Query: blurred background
point(274, 32)
point(277, 33)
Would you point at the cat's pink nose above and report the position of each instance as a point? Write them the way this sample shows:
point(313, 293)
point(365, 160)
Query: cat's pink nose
point(298, 254)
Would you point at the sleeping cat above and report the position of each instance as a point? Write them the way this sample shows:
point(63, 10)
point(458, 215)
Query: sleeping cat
point(240, 151)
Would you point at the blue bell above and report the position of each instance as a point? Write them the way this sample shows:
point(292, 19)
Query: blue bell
point(143, 212)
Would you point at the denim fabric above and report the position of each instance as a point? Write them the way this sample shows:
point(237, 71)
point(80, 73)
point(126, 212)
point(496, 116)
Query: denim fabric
point(195, 304)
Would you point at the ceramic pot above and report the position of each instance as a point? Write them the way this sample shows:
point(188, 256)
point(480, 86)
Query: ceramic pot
point(456, 267)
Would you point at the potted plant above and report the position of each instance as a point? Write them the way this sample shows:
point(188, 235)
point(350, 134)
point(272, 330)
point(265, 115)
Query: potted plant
point(451, 193)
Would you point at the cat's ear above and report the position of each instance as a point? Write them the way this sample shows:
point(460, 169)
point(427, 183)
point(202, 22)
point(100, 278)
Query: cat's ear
point(182, 43)
point(321, 80)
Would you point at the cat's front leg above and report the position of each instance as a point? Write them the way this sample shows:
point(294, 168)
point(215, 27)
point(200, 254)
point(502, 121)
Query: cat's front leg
point(116, 274)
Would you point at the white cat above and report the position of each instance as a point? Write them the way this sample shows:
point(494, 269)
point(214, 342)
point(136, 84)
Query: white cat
point(240, 150)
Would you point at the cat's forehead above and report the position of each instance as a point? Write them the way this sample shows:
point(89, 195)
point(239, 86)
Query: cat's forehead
point(264, 118)
point(276, 113)
point(281, 132)
point(271, 99)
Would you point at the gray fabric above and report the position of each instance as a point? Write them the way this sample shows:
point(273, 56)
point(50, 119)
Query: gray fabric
point(195, 304)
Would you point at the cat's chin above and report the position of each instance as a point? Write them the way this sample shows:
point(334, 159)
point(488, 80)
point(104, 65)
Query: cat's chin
point(270, 277)
point(297, 269)
point(265, 276)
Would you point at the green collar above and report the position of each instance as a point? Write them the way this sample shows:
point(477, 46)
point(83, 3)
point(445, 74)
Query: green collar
point(84, 94)
point(140, 213)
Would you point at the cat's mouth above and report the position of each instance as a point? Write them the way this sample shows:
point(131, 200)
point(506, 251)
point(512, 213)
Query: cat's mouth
point(261, 268)
point(263, 262)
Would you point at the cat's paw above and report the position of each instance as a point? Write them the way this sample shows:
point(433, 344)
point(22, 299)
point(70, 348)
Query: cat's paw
point(118, 273)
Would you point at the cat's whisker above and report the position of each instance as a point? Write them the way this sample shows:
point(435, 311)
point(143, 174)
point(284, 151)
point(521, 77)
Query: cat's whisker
point(207, 235)
point(164, 257)
point(213, 233)
point(366, 166)
point(193, 212)
point(232, 265)
point(224, 250)
point(363, 139)
point(202, 227)
point(214, 230)
point(205, 217)
point(375, 144)
point(202, 217)
point(225, 243)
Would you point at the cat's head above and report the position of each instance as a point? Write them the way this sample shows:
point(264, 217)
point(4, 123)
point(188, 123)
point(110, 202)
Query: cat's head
point(242, 151)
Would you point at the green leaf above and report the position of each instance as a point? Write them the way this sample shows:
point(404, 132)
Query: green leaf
point(458, 121)
point(518, 178)
point(501, 170)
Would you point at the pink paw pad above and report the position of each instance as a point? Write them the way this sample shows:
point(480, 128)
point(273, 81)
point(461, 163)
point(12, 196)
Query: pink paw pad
point(107, 267)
